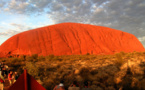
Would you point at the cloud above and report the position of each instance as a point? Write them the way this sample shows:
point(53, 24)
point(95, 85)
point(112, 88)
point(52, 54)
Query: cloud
point(9, 33)
point(141, 38)
point(41, 4)
point(13, 28)
point(25, 6)
point(18, 6)
point(2, 3)
point(125, 15)
point(110, 13)
point(20, 27)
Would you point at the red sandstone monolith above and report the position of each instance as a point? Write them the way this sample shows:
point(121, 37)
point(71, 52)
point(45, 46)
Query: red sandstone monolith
point(70, 39)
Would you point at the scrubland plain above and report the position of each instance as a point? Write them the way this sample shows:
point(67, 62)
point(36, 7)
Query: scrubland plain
point(104, 72)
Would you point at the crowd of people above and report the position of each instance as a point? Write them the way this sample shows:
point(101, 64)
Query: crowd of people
point(6, 73)
point(74, 86)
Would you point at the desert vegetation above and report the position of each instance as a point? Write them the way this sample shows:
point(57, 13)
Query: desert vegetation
point(104, 72)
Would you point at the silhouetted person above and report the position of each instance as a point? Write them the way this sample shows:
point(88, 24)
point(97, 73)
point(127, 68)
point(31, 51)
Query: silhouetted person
point(16, 76)
point(10, 78)
point(60, 86)
point(1, 67)
point(2, 80)
point(74, 86)
point(4, 72)
point(86, 86)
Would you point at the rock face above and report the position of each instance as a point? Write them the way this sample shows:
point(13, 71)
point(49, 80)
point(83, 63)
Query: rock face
point(70, 38)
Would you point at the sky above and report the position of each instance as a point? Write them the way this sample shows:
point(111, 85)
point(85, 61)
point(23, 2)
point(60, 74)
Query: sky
point(20, 15)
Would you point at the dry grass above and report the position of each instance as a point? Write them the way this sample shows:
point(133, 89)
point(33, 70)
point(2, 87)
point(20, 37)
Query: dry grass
point(103, 71)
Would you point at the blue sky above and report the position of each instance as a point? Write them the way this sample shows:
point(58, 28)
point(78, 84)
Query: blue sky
point(20, 15)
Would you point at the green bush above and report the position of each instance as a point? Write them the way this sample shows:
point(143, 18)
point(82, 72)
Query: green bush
point(34, 56)
point(104, 70)
point(88, 54)
point(32, 69)
point(122, 53)
point(119, 60)
point(84, 72)
point(41, 58)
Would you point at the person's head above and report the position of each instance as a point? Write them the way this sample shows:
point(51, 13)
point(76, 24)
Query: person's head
point(75, 83)
point(61, 81)
point(16, 73)
point(11, 72)
point(85, 83)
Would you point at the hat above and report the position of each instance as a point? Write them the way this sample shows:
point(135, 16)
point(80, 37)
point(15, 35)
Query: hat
point(61, 85)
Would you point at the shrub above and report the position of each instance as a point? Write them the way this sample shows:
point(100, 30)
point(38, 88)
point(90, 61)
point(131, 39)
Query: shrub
point(103, 70)
point(49, 84)
point(122, 53)
point(119, 60)
point(32, 69)
point(29, 58)
point(88, 54)
point(34, 56)
point(143, 53)
point(41, 58)
point(23, 57)
point(49, 58)
point(84, 72)
point(14, 62)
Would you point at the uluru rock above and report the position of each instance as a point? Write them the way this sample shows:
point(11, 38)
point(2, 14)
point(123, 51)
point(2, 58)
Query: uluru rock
point(69, 39)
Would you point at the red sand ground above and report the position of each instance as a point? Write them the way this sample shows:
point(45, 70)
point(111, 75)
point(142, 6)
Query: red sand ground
point(70, 38)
